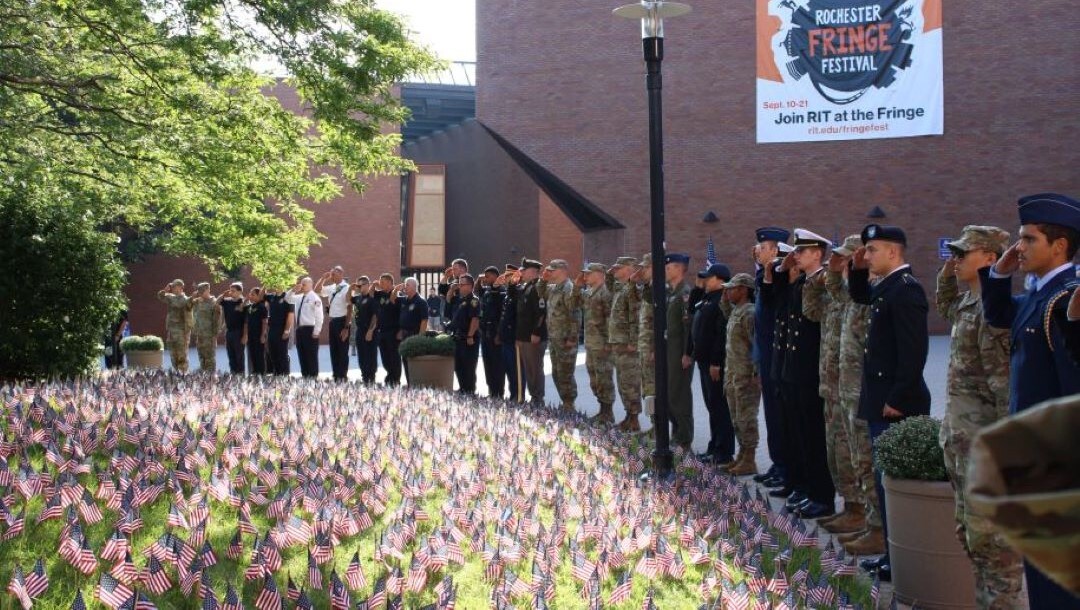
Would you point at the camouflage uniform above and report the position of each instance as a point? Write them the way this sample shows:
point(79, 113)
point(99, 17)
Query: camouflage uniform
point(563, 324)
point(829, 289)
point(596, 304)
point(178, 323)
point(852, 346)
point(740, 377)
point(978, 395)
point(645, 346)
point(207, 314)
point(622, 341)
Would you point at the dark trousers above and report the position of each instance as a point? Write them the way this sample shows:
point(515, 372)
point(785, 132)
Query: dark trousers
point(391, 359)
point(405, 363)
point(465, 357)
point(234, 347)
point(721, 429)
point(367, 352)
point(307, 351)
point(1045, 594)
point(795, 466)
point(277, 353)
point(512, 367)
point(774, 427)
point(877, 428)
point(339, 349)
point(256, 351)
point(818, 481)
point(494, 371)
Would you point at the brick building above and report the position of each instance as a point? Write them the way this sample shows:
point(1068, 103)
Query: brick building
point(555, 162)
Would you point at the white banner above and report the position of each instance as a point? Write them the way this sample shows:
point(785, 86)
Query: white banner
point(848, 69)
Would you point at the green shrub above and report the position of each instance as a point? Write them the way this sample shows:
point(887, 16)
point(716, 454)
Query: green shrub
point(61, 286)
point(145, 343)
point(427, 345)
point(910, 450)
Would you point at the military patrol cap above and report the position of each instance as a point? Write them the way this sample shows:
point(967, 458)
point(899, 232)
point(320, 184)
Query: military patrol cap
point(491, 269)
point(805, 238)
point(624, 261)
point(772, 234)
point(511, 267)
point(850, 245)
point(883, 233)
point(177, 282)
point(741, 279)
point(783, 249)
point(977, 237)
point(528, 263)
point(646, 260)
point(557, 263)
point(1050, 208)
point(719, 270)
point(594, 268)
point(202, 286)
point(677, 258)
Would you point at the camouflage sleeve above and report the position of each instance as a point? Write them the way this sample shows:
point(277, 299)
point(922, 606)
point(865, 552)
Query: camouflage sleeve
point(163, 296)
point(834, 286)
point(633, 298)
point(948, 296)
point(746, 328)
point(574, 299)
point(814, 298)
point(726, 309)
point(994, 354)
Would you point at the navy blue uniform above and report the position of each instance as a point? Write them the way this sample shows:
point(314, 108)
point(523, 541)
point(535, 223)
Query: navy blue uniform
point(466, 355)
point(367, 352)
point(389, 314)
point(277, 347)
point(897, 341)
point(707, 345)
point(452, 303)
point(764, 327)
point(233, 313)
point(413, 311)
point(491, 310)
point(508, 337)
point(256, 349)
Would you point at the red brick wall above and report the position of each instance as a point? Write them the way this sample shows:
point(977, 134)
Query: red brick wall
point(563, 80)
point(559, 238)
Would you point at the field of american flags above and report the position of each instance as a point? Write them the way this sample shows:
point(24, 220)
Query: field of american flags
point(151, 490)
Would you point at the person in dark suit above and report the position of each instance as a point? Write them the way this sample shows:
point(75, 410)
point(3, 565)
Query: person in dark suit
point(1042, 368)
point(897, 342)
point(491, 307)
point(765, 251)
point(707, 345)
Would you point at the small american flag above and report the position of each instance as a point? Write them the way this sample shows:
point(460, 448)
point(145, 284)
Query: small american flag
point(112, 592)
point(37, 581)
point(17, 587)
point(710, 252)
point(314, 575)
point(354, 574)
point(269, 598)
point(622, 589)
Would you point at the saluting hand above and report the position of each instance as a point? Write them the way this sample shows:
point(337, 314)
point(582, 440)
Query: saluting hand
point(950, 267)
point(1010, 261)
point(858, 260)
point(837, 262)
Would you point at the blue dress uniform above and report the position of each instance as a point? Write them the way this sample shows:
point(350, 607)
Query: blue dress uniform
point(764, 327)
point(388, 312)
point(491, 308)
point(367, 352)
point(1041, 365)
point(508, 337)
point(466, 346)
point(413, 311)
point(277, 346)
point(707, 346)
point(897, 343)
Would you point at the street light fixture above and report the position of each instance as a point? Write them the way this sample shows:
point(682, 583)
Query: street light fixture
point(652, 15)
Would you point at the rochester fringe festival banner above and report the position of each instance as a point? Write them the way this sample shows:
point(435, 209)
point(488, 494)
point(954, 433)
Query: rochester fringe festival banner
point(848, 69)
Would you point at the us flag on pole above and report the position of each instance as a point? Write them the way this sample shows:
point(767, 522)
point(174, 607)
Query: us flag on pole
point(37, 581)
point(17, 587)
point(269, 598)
point(112, 592)
point(354, 574)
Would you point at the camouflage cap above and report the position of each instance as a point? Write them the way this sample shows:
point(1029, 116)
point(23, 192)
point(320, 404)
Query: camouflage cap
point(202, 286)
point(624, 261)
point(978, 237)
point(851, 243)
point(557, 263)
point(177, 282)
point(646, 260)
point(741, 279)
point(594, 268)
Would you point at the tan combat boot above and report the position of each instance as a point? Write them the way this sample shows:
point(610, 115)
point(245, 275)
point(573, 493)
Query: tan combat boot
point(605, 417)
point(747, 464)
point(870, 543)
point(630, 423)
point(853, 519)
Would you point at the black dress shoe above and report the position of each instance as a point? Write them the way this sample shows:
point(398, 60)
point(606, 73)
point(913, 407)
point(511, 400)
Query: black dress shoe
point(816, 510)
point(794, 498)
point(768, 474)
point(884, 572)
point(705, 457)
point(874, 564)
point(798, 506)
point(780, 492)
point(774, 481)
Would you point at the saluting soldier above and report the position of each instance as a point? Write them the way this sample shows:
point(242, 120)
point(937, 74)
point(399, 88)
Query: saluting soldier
point(978, 395)
point(563, 325)
point(232, 310)
point(388, 312)
point(765, 251)
point(279, 323)
point(680, 366)
point(531, 335)
point(364, 308)
point(642, 280)
point(491, 305)
point(255, 330)
point(178, 323)
point(741, 385)
point(1042, 367)
point(207, 316)
point(623, 339)
point(596, 303)
point(508, 335)
point(466, 325)
point(457, 268)
point(414, 313)
point(897, 343)
point(707, 346)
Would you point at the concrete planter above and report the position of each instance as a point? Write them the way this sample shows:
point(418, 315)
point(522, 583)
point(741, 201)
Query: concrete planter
point(432, 372)
point(929, 567)
point(144, 359)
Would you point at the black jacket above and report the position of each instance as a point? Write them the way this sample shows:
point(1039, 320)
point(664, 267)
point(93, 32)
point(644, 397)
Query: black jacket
point(708, 331)
point(800, 335)
point(897, 342)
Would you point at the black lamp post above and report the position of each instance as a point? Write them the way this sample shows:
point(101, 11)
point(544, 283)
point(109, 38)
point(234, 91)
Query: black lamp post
point(652, 14)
